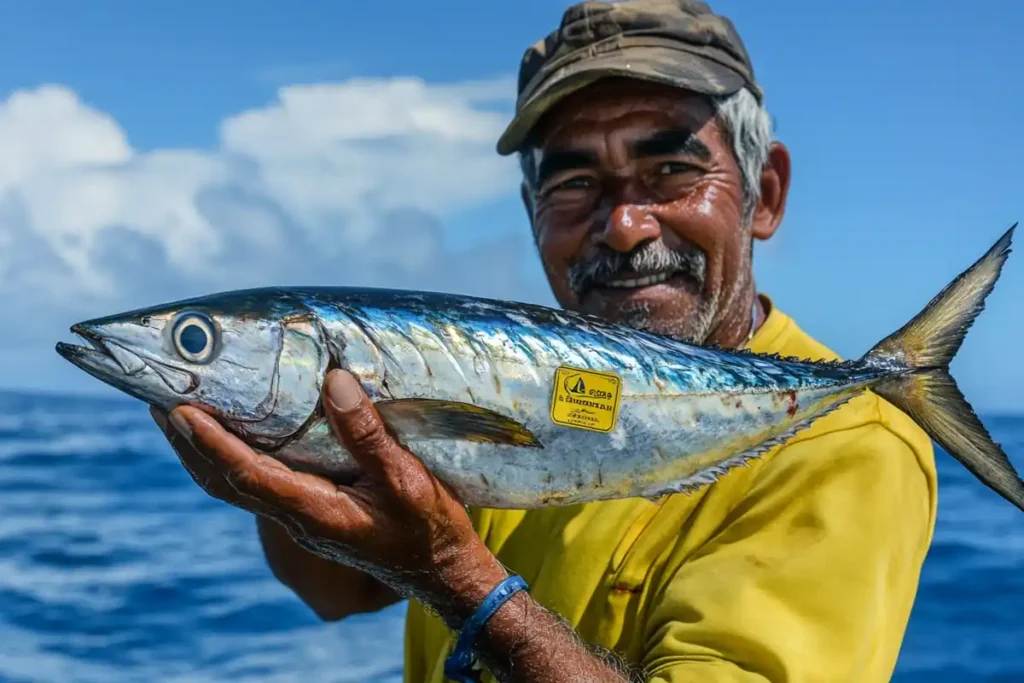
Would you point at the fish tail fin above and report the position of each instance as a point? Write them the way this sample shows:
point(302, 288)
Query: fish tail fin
point(920, 353)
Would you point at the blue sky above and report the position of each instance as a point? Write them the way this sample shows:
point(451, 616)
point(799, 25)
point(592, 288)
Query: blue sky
point(903, 124)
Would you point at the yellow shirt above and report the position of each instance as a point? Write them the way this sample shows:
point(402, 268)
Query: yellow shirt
point(800, 568)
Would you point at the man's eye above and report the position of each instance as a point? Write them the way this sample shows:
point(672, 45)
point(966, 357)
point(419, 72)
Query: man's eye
point(670, 167)
point(576, 183)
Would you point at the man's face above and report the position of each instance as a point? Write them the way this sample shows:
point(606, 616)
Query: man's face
point(638, 211)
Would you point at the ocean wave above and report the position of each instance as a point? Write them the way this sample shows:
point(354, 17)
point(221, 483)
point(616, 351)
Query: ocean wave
point(114, 566)
point(80, 444)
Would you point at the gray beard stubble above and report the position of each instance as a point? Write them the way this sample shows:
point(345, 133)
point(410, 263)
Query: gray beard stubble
point(649, 259)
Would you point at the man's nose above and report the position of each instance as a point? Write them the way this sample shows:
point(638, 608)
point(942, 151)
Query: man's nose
point(628, 226)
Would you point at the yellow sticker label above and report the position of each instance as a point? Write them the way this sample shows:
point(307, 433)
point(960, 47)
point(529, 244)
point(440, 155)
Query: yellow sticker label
point(585, 399)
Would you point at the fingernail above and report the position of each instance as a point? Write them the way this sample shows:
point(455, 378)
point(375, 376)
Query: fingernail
point(182, 425)
point(343, 390)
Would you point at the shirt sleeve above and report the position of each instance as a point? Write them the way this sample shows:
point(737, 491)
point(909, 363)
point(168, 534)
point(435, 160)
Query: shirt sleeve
point(810, 578)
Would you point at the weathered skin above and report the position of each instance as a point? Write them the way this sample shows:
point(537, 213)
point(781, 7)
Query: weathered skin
point(687, 413)
point(467, 385)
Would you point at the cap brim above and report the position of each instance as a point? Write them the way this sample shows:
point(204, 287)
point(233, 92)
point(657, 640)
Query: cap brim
point(664, 65)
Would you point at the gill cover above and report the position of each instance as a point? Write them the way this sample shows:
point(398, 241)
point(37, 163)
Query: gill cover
point(295, 386)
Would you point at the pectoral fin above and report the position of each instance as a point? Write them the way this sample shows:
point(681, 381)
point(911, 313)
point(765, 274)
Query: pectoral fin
point(423, 418)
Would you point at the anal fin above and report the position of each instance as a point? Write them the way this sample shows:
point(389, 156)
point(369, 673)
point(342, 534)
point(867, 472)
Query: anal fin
point(424, 418)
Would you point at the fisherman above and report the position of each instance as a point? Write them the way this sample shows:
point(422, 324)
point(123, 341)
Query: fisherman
point(649, 169)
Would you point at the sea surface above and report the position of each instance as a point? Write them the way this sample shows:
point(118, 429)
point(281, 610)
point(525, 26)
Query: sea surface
point(114, 566)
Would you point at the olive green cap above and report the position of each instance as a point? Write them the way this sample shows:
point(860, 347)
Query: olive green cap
point(678, 43)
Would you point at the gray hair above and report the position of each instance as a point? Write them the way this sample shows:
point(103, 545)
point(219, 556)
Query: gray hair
point(747, 121)
point(749, 126)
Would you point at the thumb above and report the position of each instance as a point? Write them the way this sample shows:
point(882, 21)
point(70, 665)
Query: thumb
point(359, 428)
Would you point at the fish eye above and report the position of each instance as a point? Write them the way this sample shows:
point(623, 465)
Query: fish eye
point(194, 337)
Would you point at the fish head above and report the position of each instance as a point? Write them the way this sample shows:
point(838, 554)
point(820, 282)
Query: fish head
point(255, 359)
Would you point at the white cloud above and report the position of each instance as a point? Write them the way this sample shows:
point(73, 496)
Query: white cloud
point(346, 183)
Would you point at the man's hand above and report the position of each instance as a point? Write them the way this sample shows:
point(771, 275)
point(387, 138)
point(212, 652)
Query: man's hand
point(397, 522)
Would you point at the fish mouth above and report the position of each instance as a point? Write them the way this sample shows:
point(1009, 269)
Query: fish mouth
point(114, 364)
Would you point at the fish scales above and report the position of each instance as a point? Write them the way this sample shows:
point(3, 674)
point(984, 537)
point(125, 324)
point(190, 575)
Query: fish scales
point(521, 406)
point(717, 407)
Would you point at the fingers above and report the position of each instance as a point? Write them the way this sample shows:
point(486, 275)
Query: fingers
point(361, 431)
point(195, 463)
point(268, 485)
point(246, 470)
point(208, 477)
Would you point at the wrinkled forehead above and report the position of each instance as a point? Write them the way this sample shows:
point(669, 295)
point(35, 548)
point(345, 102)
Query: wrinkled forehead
point(612, 122)
point(623, 106)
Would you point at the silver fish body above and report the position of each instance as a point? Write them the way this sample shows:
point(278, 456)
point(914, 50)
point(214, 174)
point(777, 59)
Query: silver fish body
point(521, 406)
point(684, 413)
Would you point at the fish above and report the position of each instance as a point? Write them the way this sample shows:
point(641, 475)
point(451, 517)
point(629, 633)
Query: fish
point(521, 406)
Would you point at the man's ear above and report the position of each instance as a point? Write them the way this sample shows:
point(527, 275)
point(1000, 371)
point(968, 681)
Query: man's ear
point(774, 192)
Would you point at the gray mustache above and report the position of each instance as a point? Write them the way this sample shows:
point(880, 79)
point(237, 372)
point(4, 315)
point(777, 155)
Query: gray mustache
point(647, 259)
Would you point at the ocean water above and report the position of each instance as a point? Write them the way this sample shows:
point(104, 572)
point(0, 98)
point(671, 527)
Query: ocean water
point(114, 566)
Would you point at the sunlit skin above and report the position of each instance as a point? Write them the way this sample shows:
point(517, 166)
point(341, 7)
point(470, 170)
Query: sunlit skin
point(634, 173)
point(623, 163)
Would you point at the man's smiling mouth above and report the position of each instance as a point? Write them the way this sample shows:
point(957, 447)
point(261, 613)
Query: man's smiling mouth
point(640, 281)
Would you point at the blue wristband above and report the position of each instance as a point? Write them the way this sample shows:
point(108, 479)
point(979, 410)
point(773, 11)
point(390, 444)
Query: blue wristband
point(459, 665)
